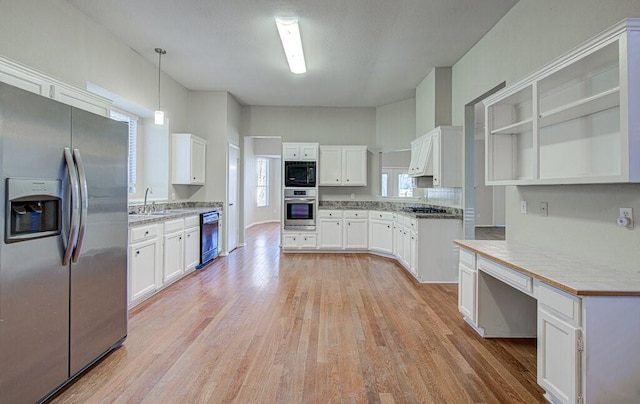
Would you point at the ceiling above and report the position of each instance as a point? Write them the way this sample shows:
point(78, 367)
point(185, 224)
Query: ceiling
point(359, 53)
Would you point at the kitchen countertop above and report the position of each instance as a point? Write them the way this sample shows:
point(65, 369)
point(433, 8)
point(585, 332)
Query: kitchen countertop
point(571, 274)
point(404, 208)
point(158, 217)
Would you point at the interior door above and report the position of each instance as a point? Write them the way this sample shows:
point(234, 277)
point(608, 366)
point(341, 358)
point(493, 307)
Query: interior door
point(232, 199)
point(99, 277)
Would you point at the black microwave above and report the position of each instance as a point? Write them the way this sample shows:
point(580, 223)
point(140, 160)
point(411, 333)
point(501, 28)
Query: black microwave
point(300, 174)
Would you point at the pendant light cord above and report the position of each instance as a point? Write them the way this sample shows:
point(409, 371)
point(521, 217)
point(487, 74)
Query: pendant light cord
point(160, 52)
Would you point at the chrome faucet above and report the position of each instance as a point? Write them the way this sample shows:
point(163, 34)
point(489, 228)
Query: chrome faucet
point(144, 207)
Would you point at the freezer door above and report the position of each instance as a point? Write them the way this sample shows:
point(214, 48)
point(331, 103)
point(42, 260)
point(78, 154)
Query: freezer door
point(34, 285)
point(99, 277)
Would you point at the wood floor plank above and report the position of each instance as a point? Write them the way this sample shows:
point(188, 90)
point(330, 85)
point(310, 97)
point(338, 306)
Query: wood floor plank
point(263, 326)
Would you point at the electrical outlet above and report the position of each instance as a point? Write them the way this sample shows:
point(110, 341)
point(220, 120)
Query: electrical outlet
point(544, 208)
point(523, 206)
point(628, 213)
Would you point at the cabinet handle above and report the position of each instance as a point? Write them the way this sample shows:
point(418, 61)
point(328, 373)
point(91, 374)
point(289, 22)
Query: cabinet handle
point(180, 238)
point(146, 233)
point(137, 252)
point(347, 179)
point(194, 178)
point(338, 224)
point(349, 223)
point(388, 227)
point(337, 180)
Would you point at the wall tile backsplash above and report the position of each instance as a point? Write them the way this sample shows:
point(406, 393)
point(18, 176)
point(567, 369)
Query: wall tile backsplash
point(444, 196)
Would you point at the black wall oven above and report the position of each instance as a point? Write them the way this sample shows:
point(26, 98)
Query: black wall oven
point(299, 209)
point(208, 237)
point(300, 174)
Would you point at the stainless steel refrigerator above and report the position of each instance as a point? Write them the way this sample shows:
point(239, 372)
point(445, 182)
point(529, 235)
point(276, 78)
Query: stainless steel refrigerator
point(63, 257)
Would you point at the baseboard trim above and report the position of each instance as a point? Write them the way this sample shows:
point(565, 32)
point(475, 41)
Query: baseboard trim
point(264, 222)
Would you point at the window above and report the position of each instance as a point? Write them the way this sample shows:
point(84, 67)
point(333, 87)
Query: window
point(262, 182)
point(405, 186)
point(384, 183)
point(132, 121)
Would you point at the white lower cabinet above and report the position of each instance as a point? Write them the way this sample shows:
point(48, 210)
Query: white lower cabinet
point(467, 279)
point(559, 344)
point(381, 230)
point(173, 252)
point(356, 226)
point(145, 262)
point(299, 240)
point(330, 228)
point(191, 243)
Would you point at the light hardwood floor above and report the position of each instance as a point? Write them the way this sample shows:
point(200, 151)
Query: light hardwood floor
point(260, 326)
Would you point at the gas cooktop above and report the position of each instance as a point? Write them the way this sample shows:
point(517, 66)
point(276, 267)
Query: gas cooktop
point(426, 209)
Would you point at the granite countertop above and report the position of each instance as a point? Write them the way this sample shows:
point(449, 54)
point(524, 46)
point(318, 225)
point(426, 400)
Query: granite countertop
point(164, 215)
point(571, 274)
point(400, 207)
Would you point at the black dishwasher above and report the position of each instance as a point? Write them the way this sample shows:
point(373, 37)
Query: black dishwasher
point(208, 237)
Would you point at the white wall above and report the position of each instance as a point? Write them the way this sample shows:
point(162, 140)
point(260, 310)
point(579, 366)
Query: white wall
point(581, 219)
point(254, 148)
point(327, 126)
point(57, 39)
point(396, 125)
point(433, 100)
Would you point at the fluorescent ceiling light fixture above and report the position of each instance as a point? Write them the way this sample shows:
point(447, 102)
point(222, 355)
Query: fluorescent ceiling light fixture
point(292, 44)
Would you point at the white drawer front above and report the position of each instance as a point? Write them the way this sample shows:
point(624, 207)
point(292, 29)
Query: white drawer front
point(172, 226)
point(507, 275)
point(144, 233)
point(356, 214)
point(563, 304)
point(376, 214)
point(411, 222)
point(191, 221)
point(329, 214)
point(467, 258)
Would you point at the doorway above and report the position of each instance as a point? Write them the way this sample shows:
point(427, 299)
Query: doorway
point(483, 205)
point(233, 224)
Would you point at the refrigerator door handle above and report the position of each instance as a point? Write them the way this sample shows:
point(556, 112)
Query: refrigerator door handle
point(84, 199)
point(75, 206)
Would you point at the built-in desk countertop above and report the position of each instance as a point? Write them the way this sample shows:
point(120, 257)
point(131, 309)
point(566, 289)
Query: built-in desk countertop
point(571, 274)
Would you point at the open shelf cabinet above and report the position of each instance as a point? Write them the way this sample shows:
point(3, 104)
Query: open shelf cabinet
point(572, 121)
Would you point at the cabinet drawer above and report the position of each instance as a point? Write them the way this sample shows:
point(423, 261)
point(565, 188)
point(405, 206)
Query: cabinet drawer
point(172, 226)
point(191, 221)
point(507, 275)
point(560, 303)
point(468, 259)
point(325, 213)
point(376, 214)
point(355, 214)
point(143, 233)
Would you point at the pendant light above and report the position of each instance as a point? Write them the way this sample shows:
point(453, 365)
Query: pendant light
point(159, 114)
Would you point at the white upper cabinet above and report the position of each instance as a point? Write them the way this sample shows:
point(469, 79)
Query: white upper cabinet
point(438, 154)
point(300, 151)
point(23, 77)
point(574, 121)
point(188, 159)
point(343, 166)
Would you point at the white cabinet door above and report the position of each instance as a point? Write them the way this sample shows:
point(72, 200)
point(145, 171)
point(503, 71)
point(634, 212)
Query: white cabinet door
point(381, 236)
point(188, 159)
point(198, 157)
point(309, 151)
point(173, 257)
point(330, 163)
point(406, 247)
point(142, 269)
point(191, 248)
point(355, 234)
point(467, 293)
point(330, 233)
point(413, 252)
point(397, 241)
point(300, 151)
point(558, 357)
point(354, 165)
